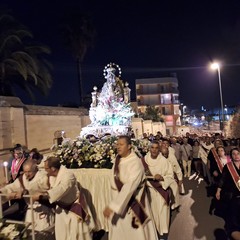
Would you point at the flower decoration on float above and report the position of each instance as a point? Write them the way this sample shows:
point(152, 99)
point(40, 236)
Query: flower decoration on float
point(11, 231)
point(88, 153)
point(93, 152)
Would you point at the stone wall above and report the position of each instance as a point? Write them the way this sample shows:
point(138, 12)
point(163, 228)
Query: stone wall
point(141, 126)
point(34, 126)
point(43, 122)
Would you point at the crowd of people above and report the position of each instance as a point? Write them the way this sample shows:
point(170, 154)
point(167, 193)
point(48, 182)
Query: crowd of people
point(216, 160)
point(57, 196)
point(145, 187)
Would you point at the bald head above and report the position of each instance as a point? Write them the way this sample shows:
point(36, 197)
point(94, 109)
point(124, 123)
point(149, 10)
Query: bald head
point(30, 169)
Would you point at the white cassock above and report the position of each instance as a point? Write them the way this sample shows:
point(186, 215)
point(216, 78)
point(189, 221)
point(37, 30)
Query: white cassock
point(131, 174)
point(175, 166)
point(171, 150)
point(160, 209)
point(43, 216)
point(174, 185)
point(68, 226)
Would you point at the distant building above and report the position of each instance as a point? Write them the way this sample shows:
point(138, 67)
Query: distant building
point(162, 93)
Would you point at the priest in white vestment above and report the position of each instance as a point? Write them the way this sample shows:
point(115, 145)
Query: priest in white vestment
point(177, 185)
point(161, 170)
point(170, 155)
point(70, 222)
point(128, 186)
point(31, 182)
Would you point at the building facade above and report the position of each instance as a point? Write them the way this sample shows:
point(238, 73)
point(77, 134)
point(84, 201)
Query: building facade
point(36, 126)
point(162, 93)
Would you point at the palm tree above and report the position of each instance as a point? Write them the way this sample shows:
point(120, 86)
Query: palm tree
point(21, 60)
point(78, 35)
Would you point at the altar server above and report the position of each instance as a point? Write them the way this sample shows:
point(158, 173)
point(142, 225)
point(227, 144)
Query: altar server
point(129, 210)
point(30, 182)
point(160, 176)
point(73, 220)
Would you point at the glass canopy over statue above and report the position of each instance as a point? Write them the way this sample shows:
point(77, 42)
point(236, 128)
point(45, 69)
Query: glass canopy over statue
point(110, 111)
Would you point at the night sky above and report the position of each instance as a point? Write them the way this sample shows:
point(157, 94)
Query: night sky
point(147, 39)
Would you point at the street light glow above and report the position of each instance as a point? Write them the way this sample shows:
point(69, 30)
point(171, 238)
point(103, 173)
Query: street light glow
point(215, 66)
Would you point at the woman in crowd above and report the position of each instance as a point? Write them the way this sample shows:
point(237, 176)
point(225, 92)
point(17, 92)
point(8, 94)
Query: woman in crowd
point(229, 191)
point(216, 167)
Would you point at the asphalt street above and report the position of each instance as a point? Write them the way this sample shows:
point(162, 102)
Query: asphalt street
point(192, 221)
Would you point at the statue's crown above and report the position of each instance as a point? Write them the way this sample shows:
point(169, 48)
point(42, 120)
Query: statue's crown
point(112, 68)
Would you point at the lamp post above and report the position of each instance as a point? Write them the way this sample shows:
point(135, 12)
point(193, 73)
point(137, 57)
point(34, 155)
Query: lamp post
point(216, 66)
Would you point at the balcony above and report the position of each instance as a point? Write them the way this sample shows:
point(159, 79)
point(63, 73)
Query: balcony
point(170, 102)
point(144, 103)
point(156, 90)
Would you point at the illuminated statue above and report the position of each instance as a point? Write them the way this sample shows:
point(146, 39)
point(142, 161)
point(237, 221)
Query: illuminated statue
point(94, 97)
point(110, 110)
point(126, 91)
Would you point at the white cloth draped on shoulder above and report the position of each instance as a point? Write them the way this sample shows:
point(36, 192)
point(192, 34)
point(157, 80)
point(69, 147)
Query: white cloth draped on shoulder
point(131, 174)
point(68, 226)
point(160, 209)
point(43, 216)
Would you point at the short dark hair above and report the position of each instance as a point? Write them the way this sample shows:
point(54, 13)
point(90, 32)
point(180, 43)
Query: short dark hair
point(220, 146)
point(17, 146)
point(154, 142)
point(53, 162)
point(127, 139)
point(165, 140)
point(236, 149)
point(35, 150)
point(37, 156)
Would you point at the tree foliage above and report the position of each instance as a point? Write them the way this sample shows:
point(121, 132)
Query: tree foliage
point(152, 113)
point(233, 126)
point(22, 61)
point(78, 34)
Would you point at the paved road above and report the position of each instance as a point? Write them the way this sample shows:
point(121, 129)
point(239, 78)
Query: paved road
point(193, 221)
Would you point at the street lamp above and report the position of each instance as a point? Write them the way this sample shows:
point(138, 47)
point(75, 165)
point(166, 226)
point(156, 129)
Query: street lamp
point(216, 66)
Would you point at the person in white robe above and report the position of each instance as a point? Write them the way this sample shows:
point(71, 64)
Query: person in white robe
point(177, 170)
point(128, 187)
point(73, 220)
point(173, 160)
point(186, 157)
point(176, 186)
point(205, 154)
point(30, 182)
point(162, 172)
point(176, 146)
